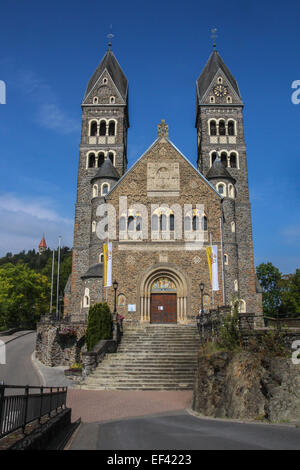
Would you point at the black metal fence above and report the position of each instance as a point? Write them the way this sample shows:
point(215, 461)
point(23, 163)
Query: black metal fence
point(18, 410)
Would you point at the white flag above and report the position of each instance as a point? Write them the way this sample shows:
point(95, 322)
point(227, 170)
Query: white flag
point(215, 279)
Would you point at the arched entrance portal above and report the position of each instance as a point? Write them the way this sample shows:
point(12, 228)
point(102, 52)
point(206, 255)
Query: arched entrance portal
point(163, 305)
point(163, 296)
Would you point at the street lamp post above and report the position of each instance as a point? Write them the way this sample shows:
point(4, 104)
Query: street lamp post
point(115, 335)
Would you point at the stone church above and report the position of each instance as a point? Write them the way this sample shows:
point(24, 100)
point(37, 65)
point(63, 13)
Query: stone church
point(163, 211)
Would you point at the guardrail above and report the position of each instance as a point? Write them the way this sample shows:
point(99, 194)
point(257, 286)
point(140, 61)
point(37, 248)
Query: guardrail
point(18, 410)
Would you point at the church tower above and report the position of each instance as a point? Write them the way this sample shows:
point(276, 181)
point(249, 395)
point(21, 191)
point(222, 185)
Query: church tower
point(222, 159)
point(102, 161)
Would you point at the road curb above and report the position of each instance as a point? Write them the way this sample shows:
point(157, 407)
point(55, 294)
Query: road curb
point(36, 366)
point(19, 336)
point(239, 421)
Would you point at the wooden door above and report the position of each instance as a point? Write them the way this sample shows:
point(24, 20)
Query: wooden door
point(163, 308)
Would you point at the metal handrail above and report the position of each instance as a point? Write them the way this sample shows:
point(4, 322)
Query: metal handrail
point(16, 411)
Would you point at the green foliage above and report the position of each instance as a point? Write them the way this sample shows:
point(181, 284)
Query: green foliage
point(99, 325)
point(230, 337)
point(269, 278)
point(13, 312)
point(271, 343)
point(290, 294)
point(23, 295)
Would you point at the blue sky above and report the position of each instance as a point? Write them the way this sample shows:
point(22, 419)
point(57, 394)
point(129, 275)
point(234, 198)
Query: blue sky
point(50, 50)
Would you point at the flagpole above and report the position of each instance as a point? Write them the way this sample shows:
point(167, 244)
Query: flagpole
point(52, 276)
point(57, 286)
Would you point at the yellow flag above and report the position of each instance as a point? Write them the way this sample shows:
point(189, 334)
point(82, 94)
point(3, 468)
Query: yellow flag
point(209, 260)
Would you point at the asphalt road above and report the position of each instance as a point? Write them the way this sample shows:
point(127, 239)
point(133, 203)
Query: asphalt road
point(19, 369)
point(180, 431)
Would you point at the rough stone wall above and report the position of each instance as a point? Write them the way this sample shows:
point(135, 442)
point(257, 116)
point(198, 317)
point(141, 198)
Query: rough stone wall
point(53, 350)
point(85, 244)
point(132, 260)
point(239, 244)
point(247, 386)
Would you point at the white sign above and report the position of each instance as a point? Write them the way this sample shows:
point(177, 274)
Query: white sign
point(131, 307)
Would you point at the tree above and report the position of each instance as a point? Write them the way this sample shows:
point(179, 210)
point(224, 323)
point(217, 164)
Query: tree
point(290, 294)
point(269, 277)
point(23, 295)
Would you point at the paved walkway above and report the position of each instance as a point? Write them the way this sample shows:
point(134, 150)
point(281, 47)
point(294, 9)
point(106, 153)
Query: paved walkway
point(104, 405)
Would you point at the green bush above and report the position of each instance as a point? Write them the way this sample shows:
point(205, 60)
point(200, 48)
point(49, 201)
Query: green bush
point(99, 325)
point(230, 337)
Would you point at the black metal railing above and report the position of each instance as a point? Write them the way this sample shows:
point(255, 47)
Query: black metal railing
point(18, 410)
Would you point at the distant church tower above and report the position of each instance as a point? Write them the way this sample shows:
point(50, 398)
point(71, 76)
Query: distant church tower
point(42, 245)
point(222, 160)
point(102, 161)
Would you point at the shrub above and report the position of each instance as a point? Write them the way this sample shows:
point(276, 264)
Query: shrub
point(99, 325)
point(230, 337)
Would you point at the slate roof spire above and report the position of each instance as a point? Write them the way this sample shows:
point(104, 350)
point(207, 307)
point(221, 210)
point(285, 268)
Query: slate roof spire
point(214, 63)
point(110, 63)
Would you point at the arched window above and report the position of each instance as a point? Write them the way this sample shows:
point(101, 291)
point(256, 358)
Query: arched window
point(220, 80)
point(131, 223)
point(230, 127)
point(95, 190)
point(236, 285)
point(229, 99)
point(101, 258)
point(224, 158)
point(93, 128)
point(111, 128)
point(154, 222)
point(233, 227)
point(86, 298)
point(102, 128)
point(204, 223)
point(172, 222)
point(213, 128)
point(231, 191)
point(212, 99)
point(94, 224)
point(112, 99)
point(101, 158)
point(95, 100)
point(122, 224)
point(221, 188)
point(104, 189)
point(187, 223)
point(163, 222)
point(213, 157)
point(233, 160)
point(92, 160)
point(195, 223)
point(104, 81)
point(139, 223)
point(111, 157)
point(225, 259)
point(242, 306)
point(222, 129)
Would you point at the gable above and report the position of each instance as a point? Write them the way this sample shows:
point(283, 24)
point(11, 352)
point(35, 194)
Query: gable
point(163, 174)
point(220, 79)
point(104, 88)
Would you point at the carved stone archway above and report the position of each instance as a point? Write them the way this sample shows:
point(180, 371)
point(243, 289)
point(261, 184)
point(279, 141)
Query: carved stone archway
point(176, 277)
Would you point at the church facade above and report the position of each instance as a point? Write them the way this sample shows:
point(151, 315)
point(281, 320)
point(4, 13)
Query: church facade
point(161, 214)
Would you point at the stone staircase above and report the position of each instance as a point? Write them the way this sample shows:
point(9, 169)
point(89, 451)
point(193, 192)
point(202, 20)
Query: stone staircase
point(152, 357)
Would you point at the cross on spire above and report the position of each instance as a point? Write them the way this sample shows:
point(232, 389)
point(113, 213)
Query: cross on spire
point(110, 36)
point(214, 36)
